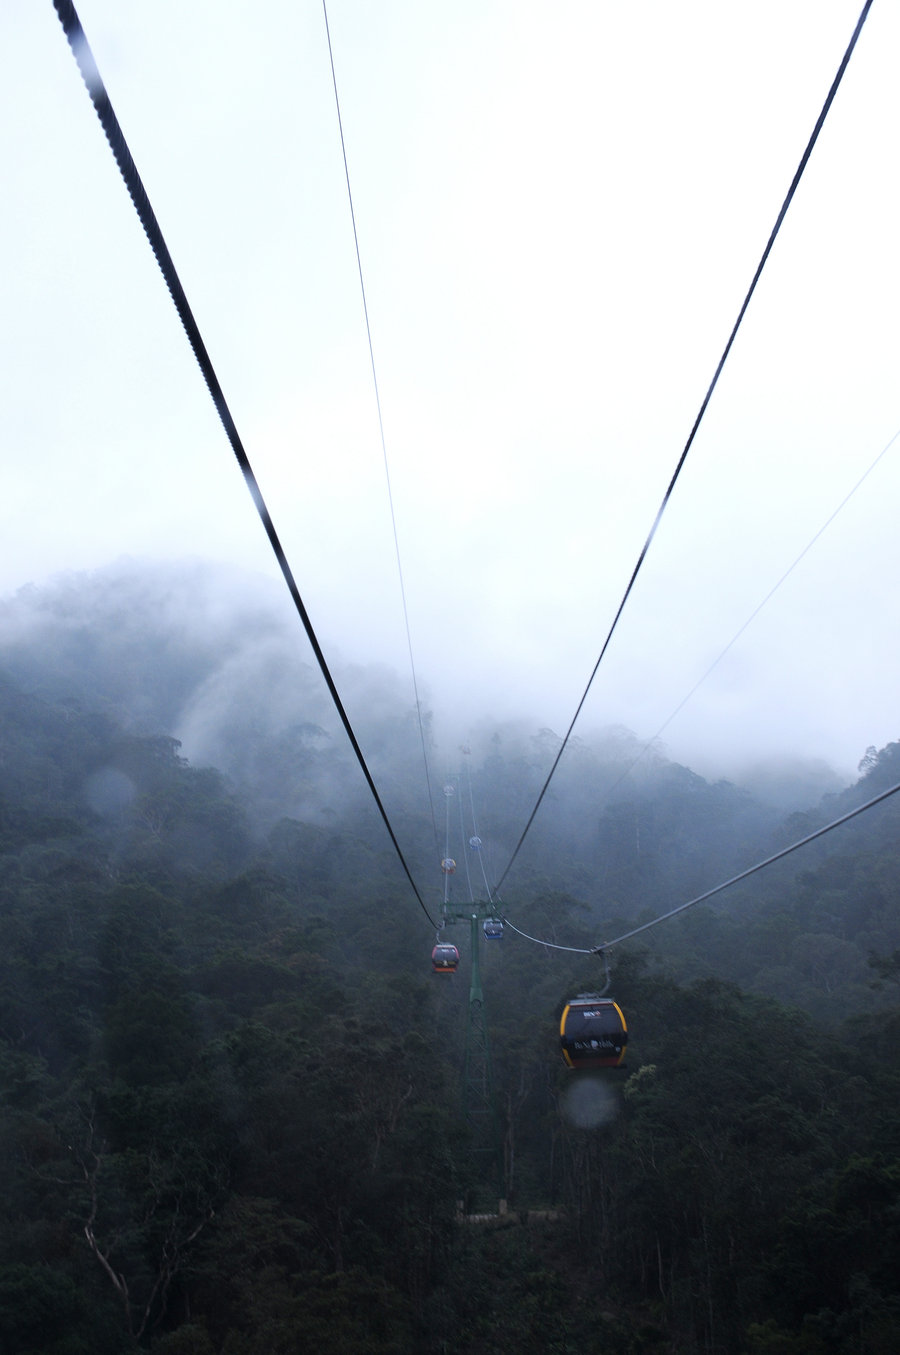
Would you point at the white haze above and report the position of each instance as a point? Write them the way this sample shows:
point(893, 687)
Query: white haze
point(560, 210)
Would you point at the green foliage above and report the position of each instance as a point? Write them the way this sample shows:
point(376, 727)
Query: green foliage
point(229, 1086)
point(39, 1307)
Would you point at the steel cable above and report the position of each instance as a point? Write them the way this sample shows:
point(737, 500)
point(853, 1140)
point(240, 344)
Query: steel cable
point(114, 135)
point(697, 421)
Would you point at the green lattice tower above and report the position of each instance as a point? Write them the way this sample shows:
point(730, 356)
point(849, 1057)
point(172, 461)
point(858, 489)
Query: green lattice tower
point(479, 1107)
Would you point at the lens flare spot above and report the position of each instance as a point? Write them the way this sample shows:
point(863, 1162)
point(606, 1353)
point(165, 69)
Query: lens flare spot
point(590, 1102)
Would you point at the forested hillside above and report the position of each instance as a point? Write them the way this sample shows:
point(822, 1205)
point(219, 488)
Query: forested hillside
point(231, 1087)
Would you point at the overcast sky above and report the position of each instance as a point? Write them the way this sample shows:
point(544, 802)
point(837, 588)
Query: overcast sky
point(560, 208)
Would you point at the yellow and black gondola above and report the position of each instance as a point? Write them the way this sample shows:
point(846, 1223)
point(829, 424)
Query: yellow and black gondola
point(592, 1032)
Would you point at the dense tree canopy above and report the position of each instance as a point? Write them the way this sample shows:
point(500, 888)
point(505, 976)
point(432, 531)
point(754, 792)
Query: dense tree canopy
point(230, 1088)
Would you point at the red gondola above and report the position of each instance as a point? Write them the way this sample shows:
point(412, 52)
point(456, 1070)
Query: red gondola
point(592, 1032)
point(444, 959)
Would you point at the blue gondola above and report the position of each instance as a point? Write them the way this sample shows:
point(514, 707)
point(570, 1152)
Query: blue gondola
point(493, 928)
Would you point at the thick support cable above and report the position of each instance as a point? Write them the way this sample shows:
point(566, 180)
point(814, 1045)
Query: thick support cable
point(114, 135)
point(703, 407)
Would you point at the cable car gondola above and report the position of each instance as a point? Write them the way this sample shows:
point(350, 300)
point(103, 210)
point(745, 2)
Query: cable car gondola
point(444, 959)
point(592, 1032)
point(493, 928)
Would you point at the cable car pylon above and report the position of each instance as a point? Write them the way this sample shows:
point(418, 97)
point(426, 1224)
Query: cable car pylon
point(479, 1110)
point(479, 1106)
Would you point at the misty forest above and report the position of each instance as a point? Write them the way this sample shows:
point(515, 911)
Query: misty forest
point(232, 1088)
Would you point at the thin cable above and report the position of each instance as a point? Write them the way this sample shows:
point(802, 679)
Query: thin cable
point(465, 850)
point(551, 945)
point(387, 473)
point(475, 838)
point(448, 795)
point(114, 135)
point(703, 407)
point(754, 614)
point(735, 879)
point(811, 837)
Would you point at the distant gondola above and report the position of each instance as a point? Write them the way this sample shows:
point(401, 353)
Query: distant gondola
point(592, 1032)
point(493, 928)
point(444, 959)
